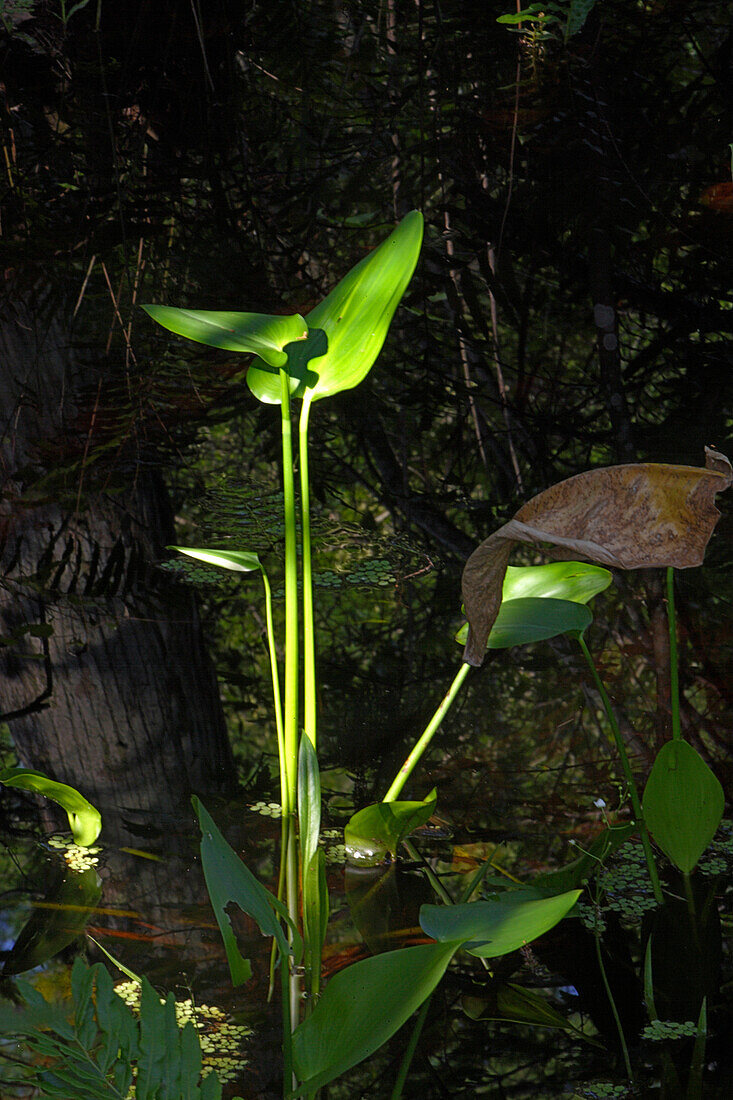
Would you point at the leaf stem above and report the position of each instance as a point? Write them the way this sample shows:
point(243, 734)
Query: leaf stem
point(291, 605)
point(628, 774)
point(674, 680)
point(309, 636)
point(410, 1050)
point(426, 737)
point(275, 676)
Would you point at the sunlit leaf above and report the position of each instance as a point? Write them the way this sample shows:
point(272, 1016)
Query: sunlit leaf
point(683, 804)
point(241, 561)
point(347, 329)
point(362, 1007)
point(638, 516)
point(502, 924)
point(521, 621)
point(560, 580)
point(84, 819)
point(263, 334)
point(376, 831)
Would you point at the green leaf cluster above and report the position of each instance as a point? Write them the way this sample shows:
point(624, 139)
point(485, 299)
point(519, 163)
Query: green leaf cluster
point(104, 1049)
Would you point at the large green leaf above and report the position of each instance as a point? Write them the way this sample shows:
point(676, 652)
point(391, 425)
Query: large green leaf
point(532, 619)
point(264, 334)
point(376, 831)
point(560, 580)
point(502, 924)
point(347, 329)
point(240, 561)
point(683, 804)
point(228, 880)
point(84, 819)
point(362, 1007)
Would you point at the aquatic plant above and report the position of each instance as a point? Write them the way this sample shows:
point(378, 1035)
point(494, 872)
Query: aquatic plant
point(327, 352)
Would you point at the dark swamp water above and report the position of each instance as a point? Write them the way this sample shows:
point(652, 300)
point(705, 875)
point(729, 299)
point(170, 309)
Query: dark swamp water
point(570, 310)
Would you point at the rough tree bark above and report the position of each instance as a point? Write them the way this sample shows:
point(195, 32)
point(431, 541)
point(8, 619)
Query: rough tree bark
point(110, 689)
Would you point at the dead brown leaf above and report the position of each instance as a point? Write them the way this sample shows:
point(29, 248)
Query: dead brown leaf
point(640, 516)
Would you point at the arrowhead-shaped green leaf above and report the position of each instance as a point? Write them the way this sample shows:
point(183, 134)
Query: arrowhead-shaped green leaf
point(377, 830)
point(560, 580)
point(348, 328)
point(362, 1007)
point(502, 924)
point(84, 819)
point(240, 561)
point(261, 333)
point(533, 619)
point(683, 804)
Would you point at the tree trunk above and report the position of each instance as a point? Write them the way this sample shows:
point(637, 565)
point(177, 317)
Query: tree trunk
point(104, 677)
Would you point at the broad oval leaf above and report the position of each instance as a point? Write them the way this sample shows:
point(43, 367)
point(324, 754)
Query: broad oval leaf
point(560, 580)
point(240, 561)
point(85, 820)
point(362, 1007)
point(502, 924)
point(525, 620)
point(376, 831)
point(640, 516)
point(348, 328)
point(683, 804)
point(261, 333)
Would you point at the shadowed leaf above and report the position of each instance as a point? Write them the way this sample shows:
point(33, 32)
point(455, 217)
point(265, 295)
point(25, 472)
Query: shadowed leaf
point(639, 516)
point(683, 804)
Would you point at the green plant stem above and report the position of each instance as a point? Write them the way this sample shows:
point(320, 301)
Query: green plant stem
point(288, 1077)
point(628, 774)
point(410, 1050)
point(291, 605)
point(614, 1010)
point(291, 885)
point(692, 911)
point(309, 634)
point(275, 676)
point(430, 874)
point(433, 725)
point(674, 681)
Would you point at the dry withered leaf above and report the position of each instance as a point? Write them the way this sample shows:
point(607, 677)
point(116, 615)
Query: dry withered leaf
point(640, 516)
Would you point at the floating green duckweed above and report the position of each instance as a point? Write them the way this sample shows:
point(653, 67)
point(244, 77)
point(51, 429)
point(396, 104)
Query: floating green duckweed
point(601, 1090)
point(659, 1030)
point(267, 809)
point(625, 883)
point(78, 858)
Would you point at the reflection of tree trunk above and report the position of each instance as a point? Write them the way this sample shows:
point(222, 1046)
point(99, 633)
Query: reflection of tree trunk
point(120, 699)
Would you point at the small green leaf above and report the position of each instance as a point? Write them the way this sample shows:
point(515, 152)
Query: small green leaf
point(496, 927)
point(240, 561)
point(348, 328)
point(263, 334)
point(362, 1007)
point(683, 804)
point(84, 819)
point(376, 831)
point(560, 580)
point(532, 619)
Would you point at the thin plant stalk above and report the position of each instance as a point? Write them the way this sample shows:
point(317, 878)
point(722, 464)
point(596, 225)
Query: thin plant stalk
point(275, 676)
point(288, 1075)
point(426, 737)
point(612, 1002)
point(291, 604)
point(410, 1050)
point(309, 636)
point(674, 680)
point(628, 774)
